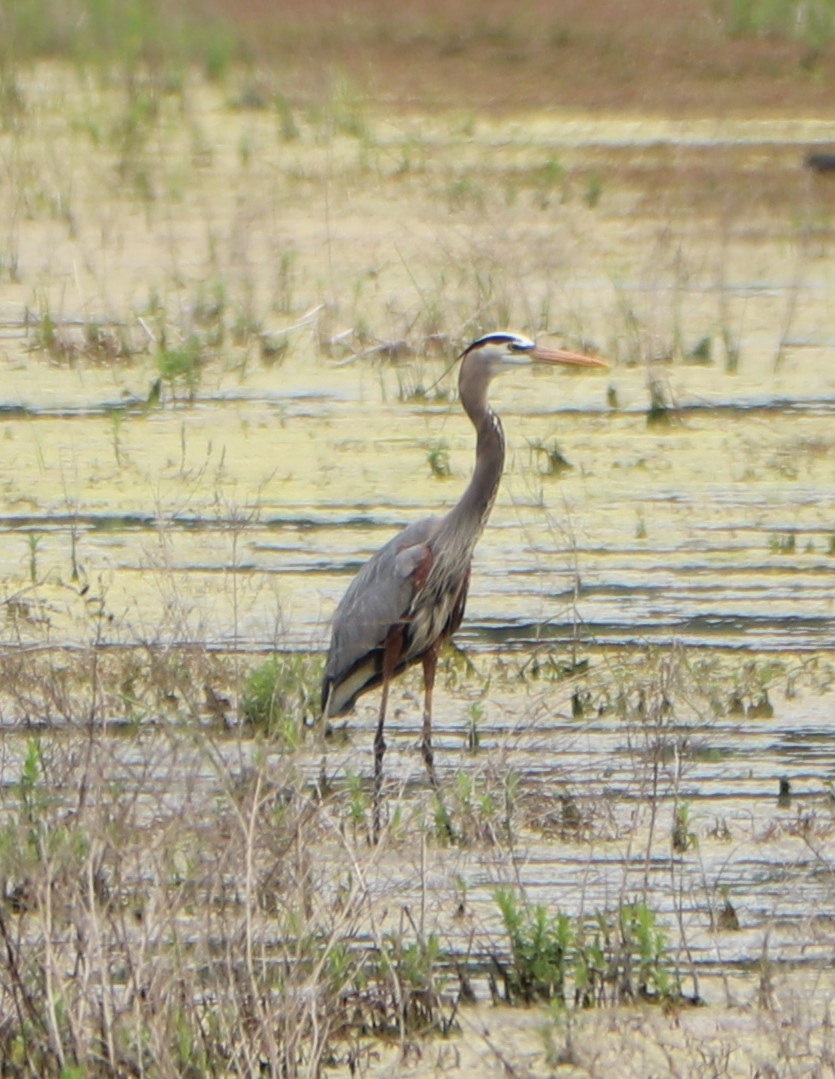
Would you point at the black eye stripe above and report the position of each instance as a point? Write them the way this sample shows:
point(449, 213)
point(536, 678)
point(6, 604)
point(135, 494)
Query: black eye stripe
point(513, 342)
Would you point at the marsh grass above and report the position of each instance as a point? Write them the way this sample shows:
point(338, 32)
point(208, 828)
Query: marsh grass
point(159, 939)
point(184, 936)
point(144, 140)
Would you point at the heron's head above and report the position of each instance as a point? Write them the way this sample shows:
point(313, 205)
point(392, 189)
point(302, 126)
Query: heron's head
point(502, 351)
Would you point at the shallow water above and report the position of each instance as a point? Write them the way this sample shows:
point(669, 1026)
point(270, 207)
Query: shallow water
point(714, 532)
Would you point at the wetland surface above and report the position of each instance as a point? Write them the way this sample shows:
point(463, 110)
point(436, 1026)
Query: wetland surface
point(651, 619)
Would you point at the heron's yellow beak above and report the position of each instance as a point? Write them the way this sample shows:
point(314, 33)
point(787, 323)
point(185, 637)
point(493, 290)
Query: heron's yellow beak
point(541, 354)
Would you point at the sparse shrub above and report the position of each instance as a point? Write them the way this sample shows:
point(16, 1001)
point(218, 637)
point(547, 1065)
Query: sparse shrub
point(357, 802)
point(641, 956)
point(539, 945)
point(347, 111)
point(399, 988)
point(463, 192)
point(287, 126)
point(33, 541)
point(613, 960)
point(414, 967)
point(548, 179)
point(658, 413)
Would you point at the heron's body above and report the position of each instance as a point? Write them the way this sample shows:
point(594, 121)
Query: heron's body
point(412, 603)
point(410, 596)
point(415, 586)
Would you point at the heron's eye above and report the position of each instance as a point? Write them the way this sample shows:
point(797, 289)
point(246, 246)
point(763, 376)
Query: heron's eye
point(518, 346)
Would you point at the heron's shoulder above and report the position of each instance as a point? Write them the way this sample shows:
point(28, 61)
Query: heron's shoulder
point(415, 534)
point(394, 560)
point(422, 531)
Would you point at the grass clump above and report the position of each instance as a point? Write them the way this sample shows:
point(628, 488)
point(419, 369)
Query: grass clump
point(539, 950)
point(408, 975)
point(477, 812)
point(549, 458)
point(683, 838)
point(615, 959)
point(281, 693)
point(438, 458)
point(181, 367)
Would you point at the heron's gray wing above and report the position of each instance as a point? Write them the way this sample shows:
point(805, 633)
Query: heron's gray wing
point(378, 598)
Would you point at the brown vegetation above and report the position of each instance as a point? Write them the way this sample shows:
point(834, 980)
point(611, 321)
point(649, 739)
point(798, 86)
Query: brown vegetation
point(702, 57)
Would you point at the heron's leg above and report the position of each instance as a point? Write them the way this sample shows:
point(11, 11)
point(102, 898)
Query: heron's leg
point(442, 817)
point(379, 753)
point(391, 651)
point(430, 663)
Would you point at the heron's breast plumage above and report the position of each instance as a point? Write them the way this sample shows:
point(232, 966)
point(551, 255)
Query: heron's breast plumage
point(438, 605)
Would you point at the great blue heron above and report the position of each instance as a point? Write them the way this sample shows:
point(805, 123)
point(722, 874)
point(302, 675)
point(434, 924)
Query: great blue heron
point(410, 595)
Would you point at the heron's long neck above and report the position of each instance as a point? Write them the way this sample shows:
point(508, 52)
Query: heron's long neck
point(473, 508)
